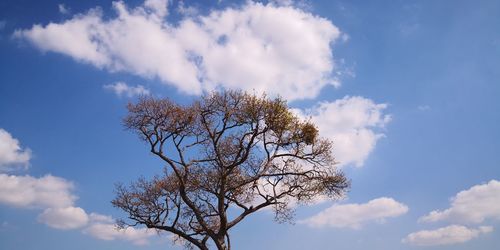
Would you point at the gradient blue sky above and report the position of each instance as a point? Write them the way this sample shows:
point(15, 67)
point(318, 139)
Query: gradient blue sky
point(408, 90)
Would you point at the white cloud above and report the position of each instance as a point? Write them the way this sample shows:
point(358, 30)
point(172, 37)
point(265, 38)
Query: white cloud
point(109, 231)
point(449, 235)
point(352, 124)
point(103, 227)
point(54, 195)
point(28, 192)
point(355, 215)
point(121, 89)
point(63, 9)
point(158, 7)
point(474, 205)
point(11, 153)
point(100, 218)
point(64, 218)
point(73, 38)
point(283, 2)
point(186, 10)
point(423, 107)
point(247, 47)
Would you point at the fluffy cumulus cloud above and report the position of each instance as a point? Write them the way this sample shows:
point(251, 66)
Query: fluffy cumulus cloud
point(103, 227)
point(355, 215)
point(64, 218)
point(108, 231)
point(449, 235)
point(122, 89)
point(474, 205)
point(11, 153)
point(30, 192)
point(352, 123)
point(55, 196)
point(245, 47)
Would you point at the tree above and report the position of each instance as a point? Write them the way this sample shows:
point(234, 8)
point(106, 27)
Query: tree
point(227, 155)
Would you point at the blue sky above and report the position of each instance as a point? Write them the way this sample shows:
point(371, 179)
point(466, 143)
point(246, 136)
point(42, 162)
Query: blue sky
point(407, 90)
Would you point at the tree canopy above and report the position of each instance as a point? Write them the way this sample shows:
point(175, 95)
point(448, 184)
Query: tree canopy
point(228, 154)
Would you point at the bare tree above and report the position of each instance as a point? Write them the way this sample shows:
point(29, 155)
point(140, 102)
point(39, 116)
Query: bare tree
point(227, 155)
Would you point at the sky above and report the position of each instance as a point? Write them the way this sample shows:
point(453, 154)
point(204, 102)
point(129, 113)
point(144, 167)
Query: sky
point(407, 90)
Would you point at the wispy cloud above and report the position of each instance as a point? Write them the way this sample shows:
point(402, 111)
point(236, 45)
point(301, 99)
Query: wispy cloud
point(185, 10)
point(122, 89)
point(424, 107)
point(63, 9)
